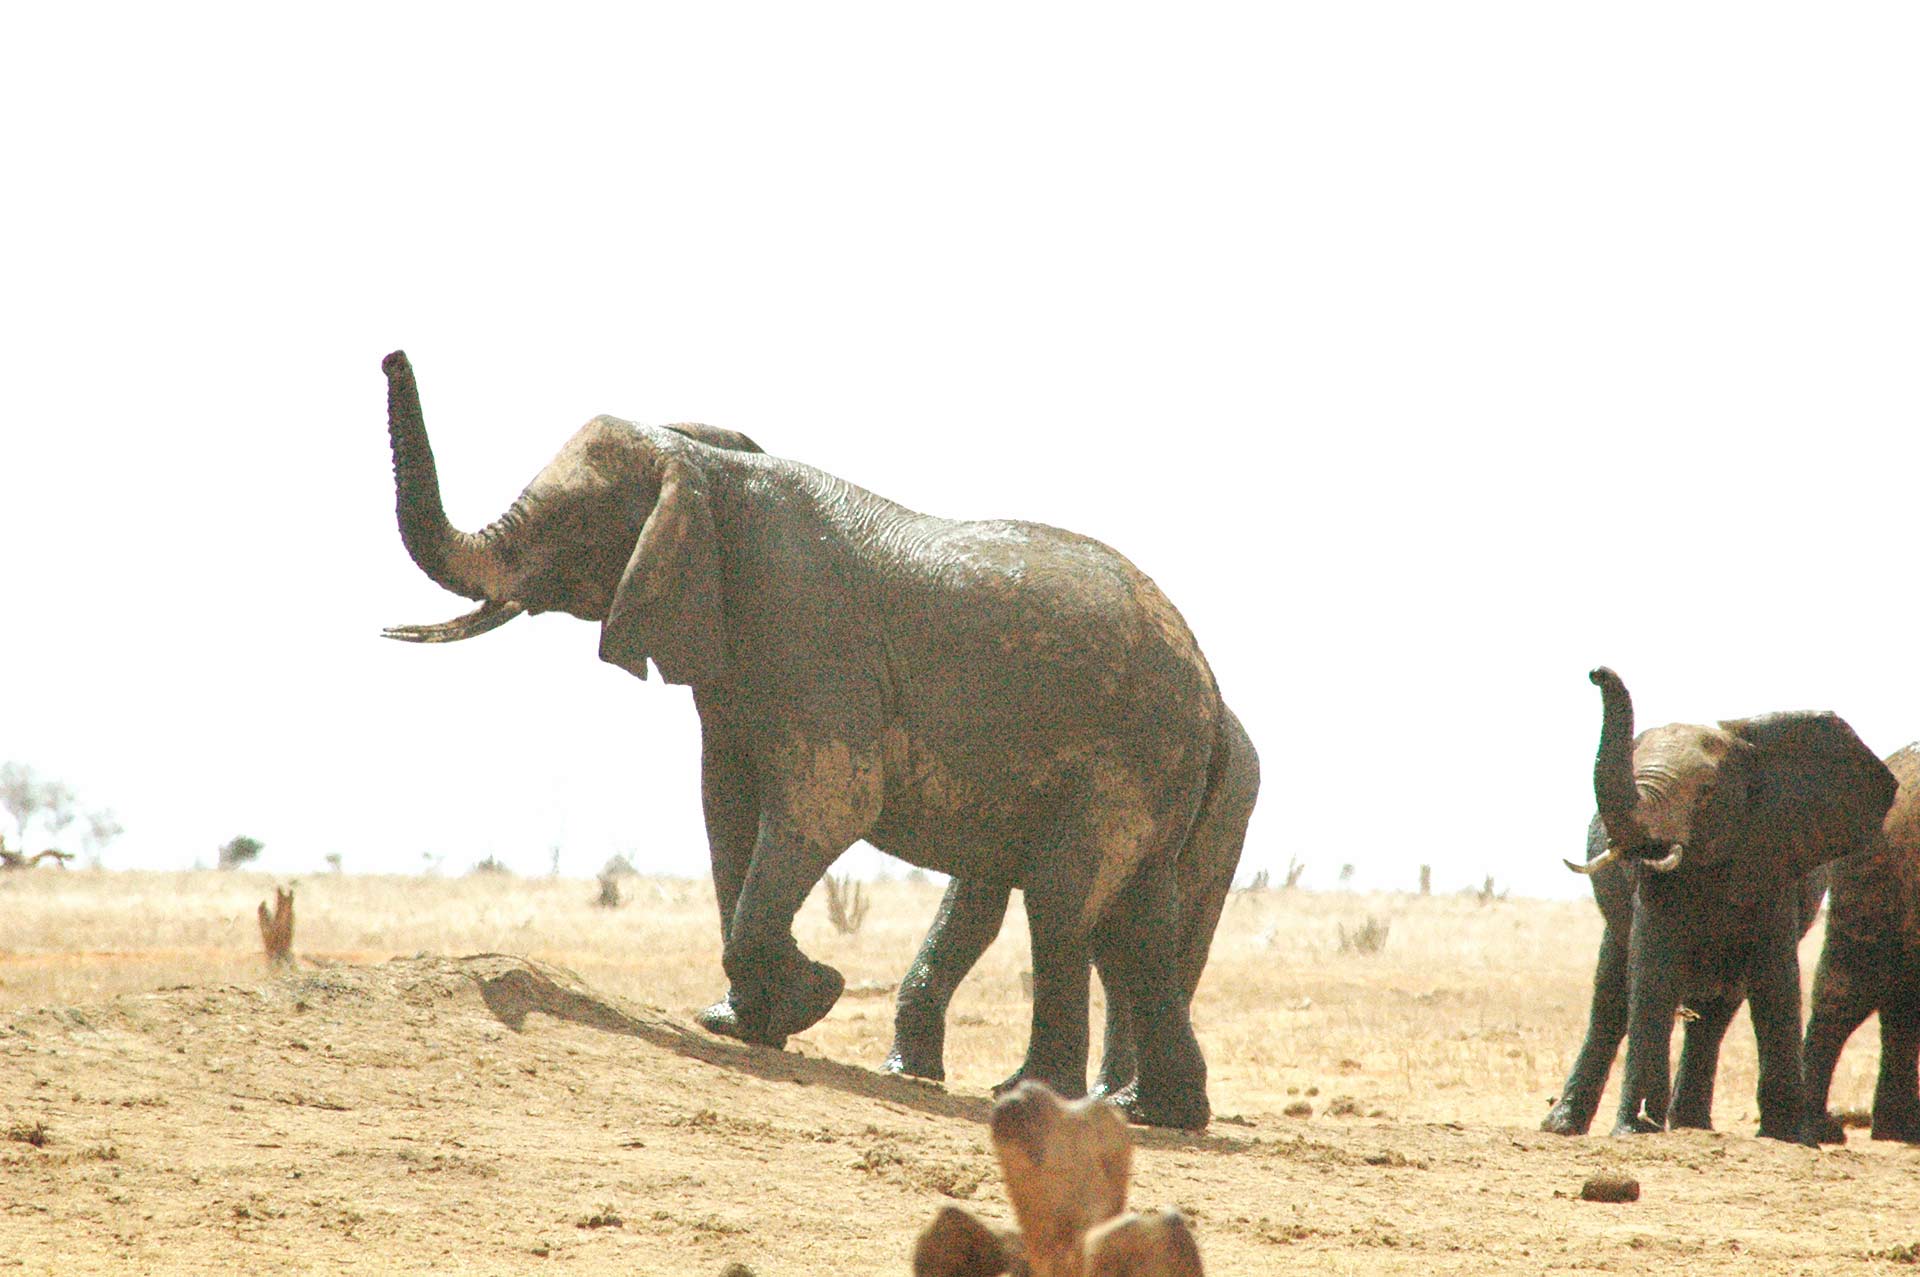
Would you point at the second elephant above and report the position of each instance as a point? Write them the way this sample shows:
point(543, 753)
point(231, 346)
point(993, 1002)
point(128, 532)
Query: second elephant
point(1871, 962)
point(1718, 827)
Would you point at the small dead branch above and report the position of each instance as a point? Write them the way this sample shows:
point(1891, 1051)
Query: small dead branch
point(1295, 867)
point(21, 860)
point(846, 903)
point(276, 928)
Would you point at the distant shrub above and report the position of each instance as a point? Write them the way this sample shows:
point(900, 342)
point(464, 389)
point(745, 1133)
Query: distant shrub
point(1369, 937)
point(491, 865)
point(238, 851)
point(609, 895)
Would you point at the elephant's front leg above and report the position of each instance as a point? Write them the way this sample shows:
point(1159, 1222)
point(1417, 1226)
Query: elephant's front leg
point(966, 922)
point(776, 990)
point(1692, 1105)
point(1606, 1025)
point(1773, 1000)
point(1656, 955)
point(729, 799)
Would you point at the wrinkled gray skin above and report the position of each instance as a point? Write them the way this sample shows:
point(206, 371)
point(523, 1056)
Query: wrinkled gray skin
point(1002, 702)
point(971, 911)
point(1717, 826)
point(1871, 962)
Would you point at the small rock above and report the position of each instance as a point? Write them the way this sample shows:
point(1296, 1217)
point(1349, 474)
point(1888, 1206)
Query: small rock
point(1299, 1108)
point(1610, 1188)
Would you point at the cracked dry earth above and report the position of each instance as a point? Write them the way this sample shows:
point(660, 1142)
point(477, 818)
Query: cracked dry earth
point(494, 1114)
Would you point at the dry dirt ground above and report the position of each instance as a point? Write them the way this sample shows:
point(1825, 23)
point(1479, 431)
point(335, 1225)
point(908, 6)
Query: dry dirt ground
point(168, 1105)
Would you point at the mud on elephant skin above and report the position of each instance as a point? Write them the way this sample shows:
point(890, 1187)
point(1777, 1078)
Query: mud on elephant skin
point(971, 912)
point(1716, 829)
point(1871, 963)
point(997, 701)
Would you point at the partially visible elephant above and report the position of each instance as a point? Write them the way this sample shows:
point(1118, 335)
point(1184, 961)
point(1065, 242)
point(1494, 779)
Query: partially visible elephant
point(1717, 828)
point(971, 911)
point(1002, 702)
point(1871, 962)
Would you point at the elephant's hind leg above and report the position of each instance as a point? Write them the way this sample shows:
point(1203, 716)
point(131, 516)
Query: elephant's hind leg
point(968, 919)
point(1847, 988)
point(1896, 1095)
point(1140, 958)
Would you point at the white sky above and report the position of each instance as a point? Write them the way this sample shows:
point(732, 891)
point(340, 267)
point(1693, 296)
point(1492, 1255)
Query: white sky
point(1427, 355)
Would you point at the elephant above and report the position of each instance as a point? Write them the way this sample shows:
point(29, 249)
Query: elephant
point(1715, 830)
point(1871, 962)
point(999, 701)
point(971, 911)
point(1701, 1031)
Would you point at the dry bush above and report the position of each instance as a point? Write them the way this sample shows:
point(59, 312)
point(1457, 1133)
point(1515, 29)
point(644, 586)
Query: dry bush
point(846, 903)
point(1369, 937)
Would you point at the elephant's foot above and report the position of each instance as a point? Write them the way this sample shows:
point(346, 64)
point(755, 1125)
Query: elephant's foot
point(905, 1062)
point(1826, 1129)
point(1062, 1083)
point(1803, 1133)
point(1180, 1110)
point(1108, 1088)
point(1567, 1118)
point(722, 1019)
point(769, 1021)
point(1637, 1125)
point(919, 1043)
point(1902, 1127)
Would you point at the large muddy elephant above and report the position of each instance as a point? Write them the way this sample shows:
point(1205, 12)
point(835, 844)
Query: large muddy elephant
point(1871, 962)
point(1003, 702)
point(1717, 829)
point(971, 911)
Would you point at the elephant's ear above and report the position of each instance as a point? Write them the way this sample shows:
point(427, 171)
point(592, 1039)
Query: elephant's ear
point(1816, 793)
point(669, 602)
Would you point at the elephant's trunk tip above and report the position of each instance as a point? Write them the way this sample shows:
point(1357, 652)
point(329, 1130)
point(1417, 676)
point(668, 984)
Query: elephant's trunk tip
point(395, 363)
point(1599, 675)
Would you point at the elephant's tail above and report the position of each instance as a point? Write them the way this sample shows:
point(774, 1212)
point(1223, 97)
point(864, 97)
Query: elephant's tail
point(1212, 852)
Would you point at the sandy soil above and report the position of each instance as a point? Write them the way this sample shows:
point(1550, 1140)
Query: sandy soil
point(167, 1104)
point(495, 1114)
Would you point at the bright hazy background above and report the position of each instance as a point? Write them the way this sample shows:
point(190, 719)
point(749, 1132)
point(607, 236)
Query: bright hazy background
point(1427, 355)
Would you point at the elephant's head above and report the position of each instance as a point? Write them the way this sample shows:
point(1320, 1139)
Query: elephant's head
point(1760, 800)
point(616, 529)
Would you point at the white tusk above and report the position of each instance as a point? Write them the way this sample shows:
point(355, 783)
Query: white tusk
point(1669, 862)
point(1595, 865)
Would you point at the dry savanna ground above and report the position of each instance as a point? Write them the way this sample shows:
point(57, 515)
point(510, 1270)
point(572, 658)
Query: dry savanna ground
point(170, 1105)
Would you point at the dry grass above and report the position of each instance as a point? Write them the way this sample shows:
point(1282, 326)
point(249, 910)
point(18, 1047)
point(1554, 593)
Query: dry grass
point(1470, 1012)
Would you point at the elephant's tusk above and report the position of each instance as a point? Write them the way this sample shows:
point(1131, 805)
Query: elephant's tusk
point(1669, 862)
point(1595, 865)
point(486, 617)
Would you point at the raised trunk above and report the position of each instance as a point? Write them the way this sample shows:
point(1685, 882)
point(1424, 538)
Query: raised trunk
point(455, 560)
point(1613, 788)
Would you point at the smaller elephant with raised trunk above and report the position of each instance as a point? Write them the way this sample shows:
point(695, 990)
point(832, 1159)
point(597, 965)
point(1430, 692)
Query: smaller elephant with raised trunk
point(1717, 828)
point(1871, 962)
